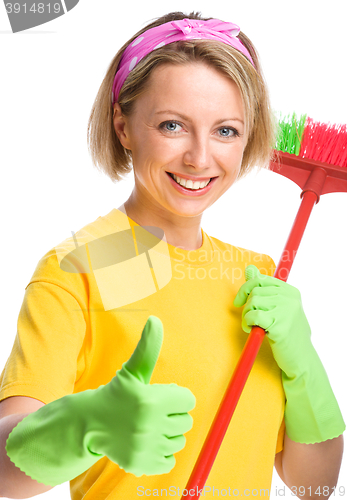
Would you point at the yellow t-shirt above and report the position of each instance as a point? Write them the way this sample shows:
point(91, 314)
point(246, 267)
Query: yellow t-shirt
point(82, 316)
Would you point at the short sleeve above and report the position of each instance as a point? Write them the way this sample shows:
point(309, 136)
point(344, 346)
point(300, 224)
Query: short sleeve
point(280, 438)
point(47, 353)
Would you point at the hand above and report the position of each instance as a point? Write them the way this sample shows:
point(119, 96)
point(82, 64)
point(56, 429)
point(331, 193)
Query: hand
point(137, 425)
point(276, 306)
point(142, 424)
point(311, 414)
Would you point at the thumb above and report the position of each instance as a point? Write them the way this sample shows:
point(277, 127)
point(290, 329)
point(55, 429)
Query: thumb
point(142, 362)
point(251, 272)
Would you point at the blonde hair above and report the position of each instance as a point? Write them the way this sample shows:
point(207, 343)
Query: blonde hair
point(106, 151)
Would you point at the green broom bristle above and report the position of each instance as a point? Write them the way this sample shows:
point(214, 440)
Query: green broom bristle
point(290, 130)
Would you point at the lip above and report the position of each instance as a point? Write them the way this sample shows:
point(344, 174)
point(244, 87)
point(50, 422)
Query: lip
point(198, 192)
point(191, 177)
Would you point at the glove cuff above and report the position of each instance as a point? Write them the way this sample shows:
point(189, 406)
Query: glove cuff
point(312, 413)
point(49, 444)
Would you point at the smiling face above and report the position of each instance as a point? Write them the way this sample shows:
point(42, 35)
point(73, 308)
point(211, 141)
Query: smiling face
point(189, 122)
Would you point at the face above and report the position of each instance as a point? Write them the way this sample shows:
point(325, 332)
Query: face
point(189, 123)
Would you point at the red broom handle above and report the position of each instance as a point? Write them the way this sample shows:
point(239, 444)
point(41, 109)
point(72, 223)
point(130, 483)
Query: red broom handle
point(232, 395)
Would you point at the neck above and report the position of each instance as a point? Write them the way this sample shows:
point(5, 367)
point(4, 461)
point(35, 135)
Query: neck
point(181, 232)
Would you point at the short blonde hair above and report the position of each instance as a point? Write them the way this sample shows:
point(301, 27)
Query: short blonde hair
point(108, 154)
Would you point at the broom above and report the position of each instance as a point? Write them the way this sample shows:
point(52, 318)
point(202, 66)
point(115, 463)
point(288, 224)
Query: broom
point(314, 156)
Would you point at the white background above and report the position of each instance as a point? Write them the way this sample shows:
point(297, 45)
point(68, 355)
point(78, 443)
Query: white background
point(49, 79)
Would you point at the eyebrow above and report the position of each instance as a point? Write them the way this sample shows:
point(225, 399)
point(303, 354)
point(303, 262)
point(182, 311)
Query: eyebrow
point(169, 111)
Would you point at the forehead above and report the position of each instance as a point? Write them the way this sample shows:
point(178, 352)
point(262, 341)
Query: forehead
point(188, 83)
point(196, 72)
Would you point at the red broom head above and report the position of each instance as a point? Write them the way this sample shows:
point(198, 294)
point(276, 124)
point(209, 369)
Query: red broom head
point(304, 146)
point(324, 142)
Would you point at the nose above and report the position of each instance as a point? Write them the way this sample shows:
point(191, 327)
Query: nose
point(198, 153)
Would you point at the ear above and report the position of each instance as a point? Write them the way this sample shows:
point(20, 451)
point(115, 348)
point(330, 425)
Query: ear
point(120, 126)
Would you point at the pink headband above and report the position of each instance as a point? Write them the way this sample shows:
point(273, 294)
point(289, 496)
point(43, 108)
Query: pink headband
point(186, 29)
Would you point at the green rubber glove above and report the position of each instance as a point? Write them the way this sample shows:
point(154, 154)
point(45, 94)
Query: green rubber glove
point(312, 414)
point(137, 425)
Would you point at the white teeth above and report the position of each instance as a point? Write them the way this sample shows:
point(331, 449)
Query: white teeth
point(189, 183)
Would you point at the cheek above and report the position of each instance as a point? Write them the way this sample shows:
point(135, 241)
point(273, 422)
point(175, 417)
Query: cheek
point(232, 158)
point(153, 147)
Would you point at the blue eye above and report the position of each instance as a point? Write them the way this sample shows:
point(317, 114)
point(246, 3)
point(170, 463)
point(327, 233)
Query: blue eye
point(163, 126)
point(233, 130)
point(171, 127)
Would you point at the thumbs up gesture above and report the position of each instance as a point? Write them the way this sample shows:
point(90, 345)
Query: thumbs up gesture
point(142, 424)
point(137, 425)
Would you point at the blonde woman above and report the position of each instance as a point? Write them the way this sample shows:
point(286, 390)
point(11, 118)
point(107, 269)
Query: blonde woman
point(129, 331)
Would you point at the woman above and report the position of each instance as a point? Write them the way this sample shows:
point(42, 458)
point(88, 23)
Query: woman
point(192, 115)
